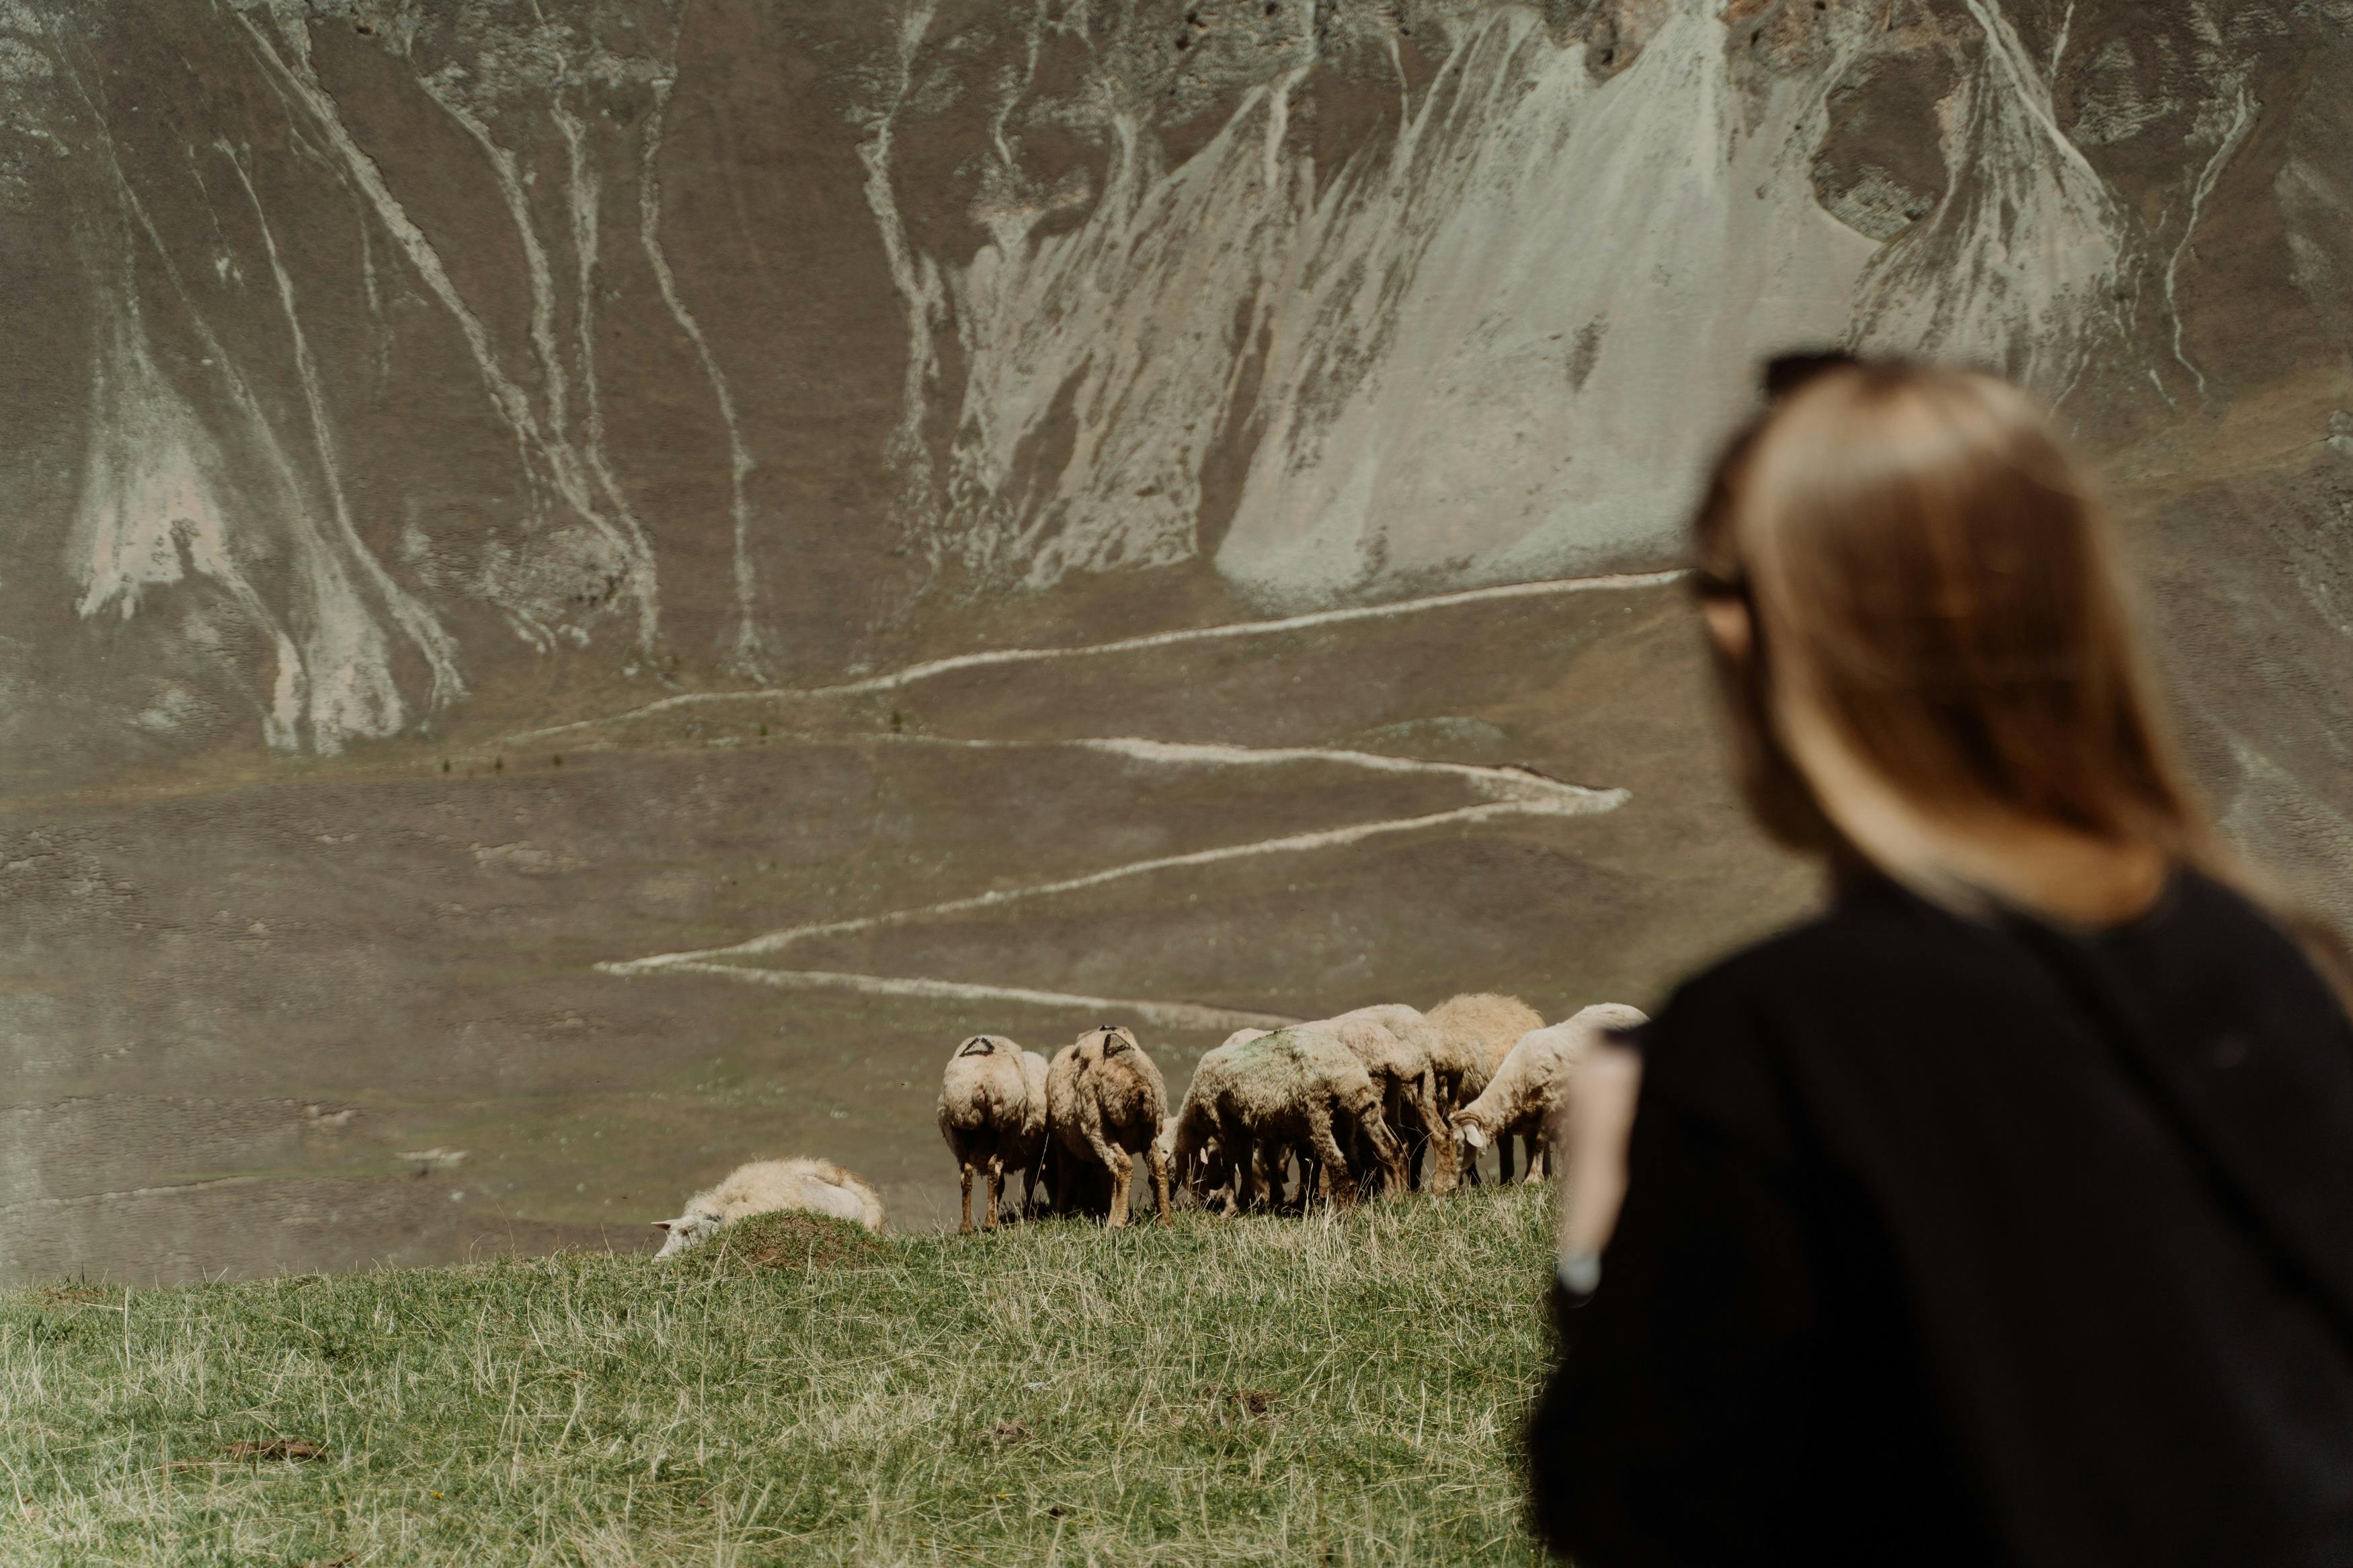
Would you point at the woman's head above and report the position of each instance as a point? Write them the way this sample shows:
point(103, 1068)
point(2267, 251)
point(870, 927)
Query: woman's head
point(1919, 618)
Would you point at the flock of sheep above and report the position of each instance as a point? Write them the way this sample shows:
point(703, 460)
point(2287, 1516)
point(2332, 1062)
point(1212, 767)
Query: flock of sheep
point(1383, 1099)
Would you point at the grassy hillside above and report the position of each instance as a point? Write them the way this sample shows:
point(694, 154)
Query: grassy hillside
point(1340, 1389)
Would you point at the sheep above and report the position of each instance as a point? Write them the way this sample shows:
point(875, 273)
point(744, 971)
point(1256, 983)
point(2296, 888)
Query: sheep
point(1402, 1070)
point(1104, 1102)
point(1521, 1098)
point(1480, 1030)
point(1456, 1072)
point(1253, 1102)
point(1210, 1183)
point(993, 1115)
point(765, 1186)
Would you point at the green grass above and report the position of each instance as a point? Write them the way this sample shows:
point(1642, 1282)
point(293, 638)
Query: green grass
point(1339, 1389)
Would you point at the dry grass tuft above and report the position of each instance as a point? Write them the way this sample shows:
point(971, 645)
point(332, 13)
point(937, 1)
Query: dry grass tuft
point(791, 1241)
point(62, 1297)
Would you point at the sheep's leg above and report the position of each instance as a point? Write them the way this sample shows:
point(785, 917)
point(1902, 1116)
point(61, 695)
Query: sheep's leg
point(1122, 1167)
point(1504, 1158)
point(1327, 1149)
point(1444, 1093)
point(1396, 1112)
point(1423, 1100)
point(966, 1228)
point(1123, 1190)
point(1030, 1189)
point(1158, 1163)
point(1274, 1170)
point(995, 1191)
point(1389, 1151)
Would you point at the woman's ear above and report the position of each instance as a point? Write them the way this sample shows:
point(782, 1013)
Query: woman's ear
point(1729, 627)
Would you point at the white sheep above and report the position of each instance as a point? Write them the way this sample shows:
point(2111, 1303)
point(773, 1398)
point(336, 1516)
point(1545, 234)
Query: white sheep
point(1477, 1031)
point(1520, 1099)
point(1104, 1104)
point(993, 1115)
point(1254, 1102)
point(1402, 1070)
point(766, 1186)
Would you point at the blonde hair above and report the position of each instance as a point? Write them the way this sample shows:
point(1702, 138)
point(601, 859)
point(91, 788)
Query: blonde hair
point(1941, 657)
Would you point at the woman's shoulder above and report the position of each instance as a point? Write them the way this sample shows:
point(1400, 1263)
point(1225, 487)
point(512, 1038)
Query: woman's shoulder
point(1711, 1056)
point(1881, 952)
point(1879, 958)
point(1873, 929)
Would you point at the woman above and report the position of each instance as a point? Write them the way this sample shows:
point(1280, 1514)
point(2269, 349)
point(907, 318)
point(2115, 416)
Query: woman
point(2003, 1214)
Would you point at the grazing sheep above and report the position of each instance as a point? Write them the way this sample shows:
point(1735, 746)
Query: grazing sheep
point(1402, 1070)
point(993, 1114)
point(765, 1186)
point(1456, 1074)
point(1104, 1102)
point(1519, 1098)
point(1253, 1103)
point(1480, 1030)
point(1210, 1183)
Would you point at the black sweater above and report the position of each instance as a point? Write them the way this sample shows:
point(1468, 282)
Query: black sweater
point(1960, 1242)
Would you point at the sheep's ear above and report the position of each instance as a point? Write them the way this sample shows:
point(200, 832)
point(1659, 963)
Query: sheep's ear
point(1113, 1043)
point(663, 1225)
point(978, 1046)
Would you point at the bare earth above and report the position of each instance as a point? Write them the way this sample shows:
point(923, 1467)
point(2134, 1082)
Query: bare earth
point(255, 1026)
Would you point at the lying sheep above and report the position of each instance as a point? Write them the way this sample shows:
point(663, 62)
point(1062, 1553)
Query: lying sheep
point(765, 1186)
point(1480, 1030)
point(1104, 1102)
point(993, 1115)
point(1255, 1101)
point(1402, 1070)
point(1519, 1100)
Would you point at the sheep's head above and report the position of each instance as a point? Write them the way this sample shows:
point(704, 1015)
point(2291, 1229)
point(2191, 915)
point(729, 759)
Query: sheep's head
point(687, 1230)
point(1471, 1127)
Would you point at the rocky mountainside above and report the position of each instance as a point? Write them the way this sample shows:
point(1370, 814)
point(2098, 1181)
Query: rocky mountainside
point(396, 389)
point(369, 350)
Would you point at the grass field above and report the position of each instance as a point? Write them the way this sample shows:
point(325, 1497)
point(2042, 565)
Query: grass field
point(1343, 1389)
